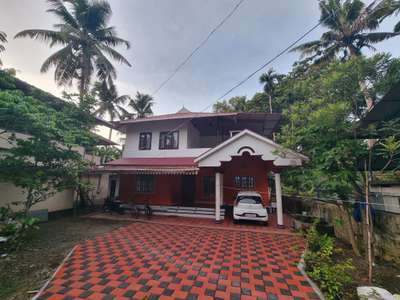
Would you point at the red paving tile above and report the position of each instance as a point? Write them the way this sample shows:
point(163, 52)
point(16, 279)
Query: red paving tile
point(170, 261)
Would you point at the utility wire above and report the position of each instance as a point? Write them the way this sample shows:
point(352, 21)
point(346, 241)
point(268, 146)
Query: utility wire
point(212, 32)
point(282, 52)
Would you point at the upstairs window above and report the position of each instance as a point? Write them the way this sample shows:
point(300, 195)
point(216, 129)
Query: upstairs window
point(245, 182)
point(145, 183)
point(169, 140)
point(145, 141)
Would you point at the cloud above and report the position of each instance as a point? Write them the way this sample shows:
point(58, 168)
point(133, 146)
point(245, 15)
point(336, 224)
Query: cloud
point(162, 33)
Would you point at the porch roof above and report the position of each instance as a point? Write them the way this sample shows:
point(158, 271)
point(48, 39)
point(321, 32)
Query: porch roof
point(153, 165)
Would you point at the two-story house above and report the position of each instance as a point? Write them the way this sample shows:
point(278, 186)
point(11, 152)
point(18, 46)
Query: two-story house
point(190, 159)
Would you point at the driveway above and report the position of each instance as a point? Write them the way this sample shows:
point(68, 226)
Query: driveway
point(171, 261)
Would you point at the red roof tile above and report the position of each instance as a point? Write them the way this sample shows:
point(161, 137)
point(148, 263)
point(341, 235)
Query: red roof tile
point(155, 161)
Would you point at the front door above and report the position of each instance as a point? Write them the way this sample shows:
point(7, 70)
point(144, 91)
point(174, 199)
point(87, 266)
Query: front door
point(188, 190)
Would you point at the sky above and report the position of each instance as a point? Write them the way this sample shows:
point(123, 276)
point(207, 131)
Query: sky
point(163, 32)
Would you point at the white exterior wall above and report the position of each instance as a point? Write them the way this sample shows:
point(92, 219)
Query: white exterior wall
point(131, 148)
point(60, 201)
point(390, 197)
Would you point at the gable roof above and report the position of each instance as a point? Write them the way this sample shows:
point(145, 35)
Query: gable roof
point(265, 148)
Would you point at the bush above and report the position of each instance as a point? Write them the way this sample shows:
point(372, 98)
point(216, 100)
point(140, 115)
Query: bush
point(15, 228)
point(332, 277)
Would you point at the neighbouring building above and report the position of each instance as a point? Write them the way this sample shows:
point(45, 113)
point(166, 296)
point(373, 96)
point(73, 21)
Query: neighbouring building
point(386, 193)
point(190, 159)
point(61, 201)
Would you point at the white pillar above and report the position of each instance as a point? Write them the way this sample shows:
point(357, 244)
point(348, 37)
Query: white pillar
point(222, 187)
point(218, 196)
point(278, 193)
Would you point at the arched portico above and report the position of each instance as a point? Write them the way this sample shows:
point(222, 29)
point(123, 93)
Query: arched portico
point(272, 157)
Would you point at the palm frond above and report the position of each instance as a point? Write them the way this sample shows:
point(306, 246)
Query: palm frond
point(397, 28)
point(104, 67)
point(3, 37)
point(58, 8)
point(63, 55)
point(115, 55)
point(376, 37)
point(54, 37)
point(306, 46)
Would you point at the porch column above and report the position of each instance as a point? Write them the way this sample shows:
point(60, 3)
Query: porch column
point(218, 196)
point(221, 181)
point(278, 193)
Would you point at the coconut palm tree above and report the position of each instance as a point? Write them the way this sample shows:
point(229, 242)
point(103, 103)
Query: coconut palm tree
point(270, 80)
point(87, 42)
point(3, 39)
point(392, 7)
point(350, 25)
point(142, 104)
point(108, 101)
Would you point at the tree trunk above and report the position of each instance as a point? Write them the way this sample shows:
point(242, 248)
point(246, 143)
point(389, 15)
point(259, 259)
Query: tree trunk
point(350, 230)
point(368, 228)
point(270, 104)
point(28, 202)
point(110, 134)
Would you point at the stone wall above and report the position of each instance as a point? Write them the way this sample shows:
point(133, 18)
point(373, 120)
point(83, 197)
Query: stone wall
point(386, 225)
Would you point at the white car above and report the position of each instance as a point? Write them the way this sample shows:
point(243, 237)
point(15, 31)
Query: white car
point(249, 206)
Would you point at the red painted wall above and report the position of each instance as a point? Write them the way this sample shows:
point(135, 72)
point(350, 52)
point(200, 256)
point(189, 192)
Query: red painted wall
point(245, 165)
point(168, 188)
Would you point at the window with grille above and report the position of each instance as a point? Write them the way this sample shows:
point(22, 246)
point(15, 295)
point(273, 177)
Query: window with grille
point(244, 182)
point(209, 186)
point(145, 141)
point(145, 183)
point(169, 140)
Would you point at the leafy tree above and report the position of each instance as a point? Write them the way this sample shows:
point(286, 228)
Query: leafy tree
point(270, 80)
point(107, 154)
point(108, 101)
point(3, 39)
point(86, 39)
point(351, 26)
point(321, 124)
point(142, 104)
point(234, 104)
point(46, 158)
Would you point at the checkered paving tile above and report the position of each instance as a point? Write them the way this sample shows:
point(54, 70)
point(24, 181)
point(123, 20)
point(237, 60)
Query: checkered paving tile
point(162, 261)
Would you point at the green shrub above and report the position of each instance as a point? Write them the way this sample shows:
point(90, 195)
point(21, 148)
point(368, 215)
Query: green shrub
point(332, 277)
point(16, 228)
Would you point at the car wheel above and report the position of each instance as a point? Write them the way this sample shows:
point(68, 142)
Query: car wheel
point(235, 221)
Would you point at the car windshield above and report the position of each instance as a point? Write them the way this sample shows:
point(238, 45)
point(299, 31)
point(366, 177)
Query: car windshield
point(249, 200)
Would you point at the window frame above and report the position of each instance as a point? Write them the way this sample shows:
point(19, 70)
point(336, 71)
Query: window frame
point(243, 182)
point(166, 133)
point(146, 133)
point(149, 187)
point(208, 186)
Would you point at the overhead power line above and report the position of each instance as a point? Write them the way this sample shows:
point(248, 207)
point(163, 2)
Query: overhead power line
point(280, 53)
point(271, 60)
point(202, 43)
